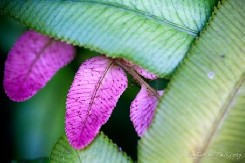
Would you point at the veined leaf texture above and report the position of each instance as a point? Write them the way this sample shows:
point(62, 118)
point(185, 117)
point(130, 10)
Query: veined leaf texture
point(201, 116)
point(101, 150)
point(32, 62)
point(92, 97)
point(142, 109)
point(154, 34)
point(203, 107)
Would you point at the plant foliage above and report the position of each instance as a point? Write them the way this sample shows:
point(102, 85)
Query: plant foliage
point(202, 112)
point(101, 150)
point(155, 35)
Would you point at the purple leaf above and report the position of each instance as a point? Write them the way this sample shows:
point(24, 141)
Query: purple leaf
point(32, 62)
point(92, 97)
point(142, 109)
point(146, 74)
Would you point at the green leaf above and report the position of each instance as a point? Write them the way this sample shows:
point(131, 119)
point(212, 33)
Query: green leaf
point(100, 150)
point(201, 117)
point(154, 34)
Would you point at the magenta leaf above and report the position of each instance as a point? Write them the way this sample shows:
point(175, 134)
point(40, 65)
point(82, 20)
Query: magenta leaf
point(142, 109)
point(32, 62)
point(146, 74)
point(91, 99)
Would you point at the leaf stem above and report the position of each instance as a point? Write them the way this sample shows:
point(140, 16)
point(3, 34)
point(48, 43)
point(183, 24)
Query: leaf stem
point(136, 76)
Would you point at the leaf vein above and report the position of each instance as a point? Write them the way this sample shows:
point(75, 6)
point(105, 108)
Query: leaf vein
point(221, 116)
point(149, 16)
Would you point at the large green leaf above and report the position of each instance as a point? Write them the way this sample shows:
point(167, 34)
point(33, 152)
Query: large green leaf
point(100, 150)
point(154, 34)
point(201, 117)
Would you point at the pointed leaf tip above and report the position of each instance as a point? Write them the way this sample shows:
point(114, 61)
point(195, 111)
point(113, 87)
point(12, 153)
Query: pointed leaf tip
point(91, 99)
point(32, 62)
point(142, 110)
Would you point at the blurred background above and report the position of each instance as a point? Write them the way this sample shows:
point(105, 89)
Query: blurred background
point(31, 128)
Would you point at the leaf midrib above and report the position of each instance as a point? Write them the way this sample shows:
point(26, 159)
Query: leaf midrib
point(97, 87)
point(37, 57)
point(221, 117)
point(157, 19)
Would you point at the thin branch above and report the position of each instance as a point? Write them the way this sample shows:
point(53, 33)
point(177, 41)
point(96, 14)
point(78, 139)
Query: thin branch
point(136, 76)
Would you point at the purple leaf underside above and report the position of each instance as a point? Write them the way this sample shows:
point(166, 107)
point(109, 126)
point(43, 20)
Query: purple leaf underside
point(142, 110)
point(146, 74)
point(32, 62)
point(97, 86)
